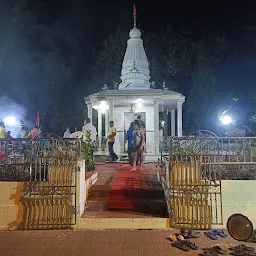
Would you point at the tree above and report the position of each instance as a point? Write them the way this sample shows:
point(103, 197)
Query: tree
point(63, 102)
point(109, 60)
point(202, 92)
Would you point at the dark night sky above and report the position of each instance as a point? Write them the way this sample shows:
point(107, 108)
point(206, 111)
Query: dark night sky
point(86, 23)
point(105, 16)
point(153, 14)
point(91, 21)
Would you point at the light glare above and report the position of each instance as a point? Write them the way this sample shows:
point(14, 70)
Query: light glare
point(10, 120)
point(226, 120)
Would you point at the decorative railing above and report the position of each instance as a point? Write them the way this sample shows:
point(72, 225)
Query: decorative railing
point(229, 150)
point(29, 159)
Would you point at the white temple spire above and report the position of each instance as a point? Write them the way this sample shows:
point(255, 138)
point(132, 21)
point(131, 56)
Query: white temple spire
point(135, 77)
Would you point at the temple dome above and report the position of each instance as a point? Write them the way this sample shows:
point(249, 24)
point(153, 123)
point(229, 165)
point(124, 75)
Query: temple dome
point(135, 58)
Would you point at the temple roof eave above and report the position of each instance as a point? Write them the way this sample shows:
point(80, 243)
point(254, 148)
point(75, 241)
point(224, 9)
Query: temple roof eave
point(155, 93)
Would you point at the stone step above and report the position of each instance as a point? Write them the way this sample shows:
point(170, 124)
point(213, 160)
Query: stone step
point(97, 204)
point(130, 193)
point(120, 221)
point(152, 207)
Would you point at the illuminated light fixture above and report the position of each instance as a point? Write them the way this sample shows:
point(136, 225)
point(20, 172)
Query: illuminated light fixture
point(102, 107)
point(139, 103)
point(10, 120)
point(226, 120)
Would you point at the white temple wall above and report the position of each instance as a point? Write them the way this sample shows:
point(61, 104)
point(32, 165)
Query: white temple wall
point(118, 115)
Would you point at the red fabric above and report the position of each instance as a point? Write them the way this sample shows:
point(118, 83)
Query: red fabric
point(124, 183)
point(38, 118)
point(2, 155)
point(34, 133)
point(134, 11)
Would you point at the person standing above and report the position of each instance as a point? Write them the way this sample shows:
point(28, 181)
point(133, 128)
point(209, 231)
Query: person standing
point(130, 144)
point(141, 122)
point(8, 135)
point(2, 144)
point(138, 142)
point(66, 134)
point(111, 141)
point(2, 131)
point(34, 133)
point(142, 127)
point(89, 127)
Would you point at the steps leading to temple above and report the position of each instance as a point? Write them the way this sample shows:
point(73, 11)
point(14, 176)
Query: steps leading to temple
point(123, 199)
point(152, 207)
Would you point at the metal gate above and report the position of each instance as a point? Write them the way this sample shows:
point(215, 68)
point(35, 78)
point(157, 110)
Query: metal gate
point(48, 168)
point(195, 194)
point(196, 167)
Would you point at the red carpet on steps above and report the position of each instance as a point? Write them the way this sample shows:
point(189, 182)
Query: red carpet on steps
point(119, 192)
point(121, 196)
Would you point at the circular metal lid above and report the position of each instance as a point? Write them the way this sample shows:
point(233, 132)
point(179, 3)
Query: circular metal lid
point(239, 227)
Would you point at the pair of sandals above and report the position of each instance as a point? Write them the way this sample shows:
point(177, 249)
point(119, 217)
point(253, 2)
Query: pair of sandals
point(176, 237)
point(185, 234)
point(188, 234)
point(242, 250)
point(213, 233)
point(213, 251)
point(185, 245)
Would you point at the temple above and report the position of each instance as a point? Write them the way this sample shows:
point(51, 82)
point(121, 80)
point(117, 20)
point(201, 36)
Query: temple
point(136, 97)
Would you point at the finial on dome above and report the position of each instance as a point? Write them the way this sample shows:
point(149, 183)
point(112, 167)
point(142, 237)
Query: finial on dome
point(134, 16)
point(134, 64)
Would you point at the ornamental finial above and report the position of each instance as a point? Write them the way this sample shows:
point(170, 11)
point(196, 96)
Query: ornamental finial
point(134, 16)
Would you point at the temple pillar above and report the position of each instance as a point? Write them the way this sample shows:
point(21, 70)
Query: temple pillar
point(106, 125)
point(173, 122)
point(100, 128)
point(111, 109)
point(166, 124)
point(156, 125)
point(89, 110)
point(179, 118)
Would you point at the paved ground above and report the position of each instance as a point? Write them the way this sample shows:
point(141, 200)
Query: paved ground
point(97, 243)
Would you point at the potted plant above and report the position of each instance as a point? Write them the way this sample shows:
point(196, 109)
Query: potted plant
point(88, 152)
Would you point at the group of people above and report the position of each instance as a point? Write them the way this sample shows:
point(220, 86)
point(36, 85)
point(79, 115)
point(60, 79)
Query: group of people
point(24, 132)
point(136, 144)
point(89, 127)
point(135, 137)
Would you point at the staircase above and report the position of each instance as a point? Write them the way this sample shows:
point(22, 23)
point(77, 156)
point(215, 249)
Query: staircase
point(123, 199)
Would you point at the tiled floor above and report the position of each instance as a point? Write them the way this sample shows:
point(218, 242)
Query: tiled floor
point(98, 243)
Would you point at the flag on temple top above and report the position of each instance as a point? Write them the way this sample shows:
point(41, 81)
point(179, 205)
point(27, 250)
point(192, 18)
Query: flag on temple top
point(38, 118)
point(134, 11)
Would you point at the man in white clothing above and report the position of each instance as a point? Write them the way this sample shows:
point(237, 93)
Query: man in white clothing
point(89, 127)
point(67, 134)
